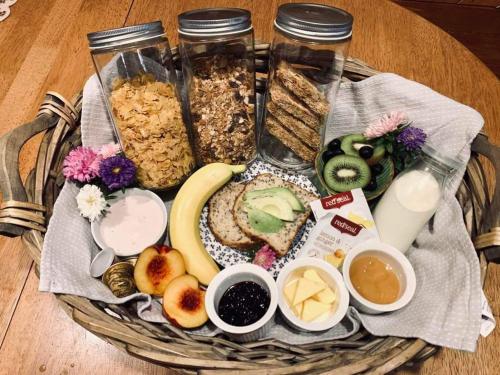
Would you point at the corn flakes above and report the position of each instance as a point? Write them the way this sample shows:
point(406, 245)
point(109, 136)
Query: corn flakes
point(148, 118)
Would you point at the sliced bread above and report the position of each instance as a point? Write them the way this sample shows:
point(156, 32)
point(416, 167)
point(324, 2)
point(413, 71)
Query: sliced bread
point(281, 241)
point(221, 221)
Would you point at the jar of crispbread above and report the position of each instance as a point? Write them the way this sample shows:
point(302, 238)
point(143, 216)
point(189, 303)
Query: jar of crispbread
point(217, 50)
point(134, 65)
point(307, 57)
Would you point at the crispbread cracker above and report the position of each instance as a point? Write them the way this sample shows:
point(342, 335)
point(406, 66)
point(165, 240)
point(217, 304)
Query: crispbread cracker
point(303, 89)
point(276, 128)
point(282, 97)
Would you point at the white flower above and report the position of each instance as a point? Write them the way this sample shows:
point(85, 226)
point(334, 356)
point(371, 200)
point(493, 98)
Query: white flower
point(109, 150)
point(91, 202)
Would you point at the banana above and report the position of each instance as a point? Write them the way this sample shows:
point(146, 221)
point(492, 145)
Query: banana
point(185, 217)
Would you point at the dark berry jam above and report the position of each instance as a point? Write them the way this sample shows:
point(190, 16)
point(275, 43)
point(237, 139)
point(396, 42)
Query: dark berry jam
point(243, 304)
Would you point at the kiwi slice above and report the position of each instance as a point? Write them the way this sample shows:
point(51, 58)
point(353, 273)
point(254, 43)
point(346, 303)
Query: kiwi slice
point(378, 154)
point(346, 172)
point(348, 143)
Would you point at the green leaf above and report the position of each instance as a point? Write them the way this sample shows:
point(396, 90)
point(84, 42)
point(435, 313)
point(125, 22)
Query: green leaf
point(389, 147)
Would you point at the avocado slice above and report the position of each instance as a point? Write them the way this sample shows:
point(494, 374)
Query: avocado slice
point(281, 192)
point(275, 206)
point(263, 222)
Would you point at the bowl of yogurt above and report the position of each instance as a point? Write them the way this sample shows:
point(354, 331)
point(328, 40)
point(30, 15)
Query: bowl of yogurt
point(135, 220)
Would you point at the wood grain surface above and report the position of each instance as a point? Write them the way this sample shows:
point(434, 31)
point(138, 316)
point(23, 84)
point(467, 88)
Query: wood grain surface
point(43, 46)
point(476, 25)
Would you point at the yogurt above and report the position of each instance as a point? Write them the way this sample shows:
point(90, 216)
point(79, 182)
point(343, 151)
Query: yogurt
point(134, 221)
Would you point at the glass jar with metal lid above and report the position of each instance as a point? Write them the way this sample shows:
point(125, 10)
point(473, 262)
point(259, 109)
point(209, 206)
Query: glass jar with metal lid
point(413, 197)
point(134, 66)
point(307, 59)
point(217, 50)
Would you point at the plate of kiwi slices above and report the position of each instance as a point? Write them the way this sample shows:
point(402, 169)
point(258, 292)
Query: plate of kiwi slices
point(351, 162)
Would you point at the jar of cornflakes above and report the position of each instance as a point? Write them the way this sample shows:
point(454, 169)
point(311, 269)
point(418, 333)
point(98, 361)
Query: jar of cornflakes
point(134, 66)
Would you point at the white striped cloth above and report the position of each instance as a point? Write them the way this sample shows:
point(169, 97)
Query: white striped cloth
point(446, 309)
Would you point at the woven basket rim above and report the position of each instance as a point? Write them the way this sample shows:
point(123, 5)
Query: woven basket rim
point(172, 347)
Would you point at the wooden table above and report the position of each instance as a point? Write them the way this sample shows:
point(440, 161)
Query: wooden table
point(43, 47)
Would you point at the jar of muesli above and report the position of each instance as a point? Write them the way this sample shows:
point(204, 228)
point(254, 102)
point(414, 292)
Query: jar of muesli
point(134, 66)
point(307, 59)
point(217, 50)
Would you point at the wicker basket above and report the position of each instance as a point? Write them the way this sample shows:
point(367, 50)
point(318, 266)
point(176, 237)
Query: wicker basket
point(27, 209)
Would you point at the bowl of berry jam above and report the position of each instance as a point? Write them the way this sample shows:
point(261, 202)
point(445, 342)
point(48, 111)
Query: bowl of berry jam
point(241, 301)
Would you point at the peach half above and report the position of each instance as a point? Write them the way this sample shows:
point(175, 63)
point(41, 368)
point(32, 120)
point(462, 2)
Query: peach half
point(156, 267)
point(184, 302)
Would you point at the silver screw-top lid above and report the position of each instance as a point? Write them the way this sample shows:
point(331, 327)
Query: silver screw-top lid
point(214, 21)
point(314, 21)
point(123, 36)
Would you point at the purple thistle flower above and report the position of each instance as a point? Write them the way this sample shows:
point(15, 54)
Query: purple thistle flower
point(412, 138)
point(117, 172)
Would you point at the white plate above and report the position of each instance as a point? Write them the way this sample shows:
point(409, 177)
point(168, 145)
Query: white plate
point(227, 256)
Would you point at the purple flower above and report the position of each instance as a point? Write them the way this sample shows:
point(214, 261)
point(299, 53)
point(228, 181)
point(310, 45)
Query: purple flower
point(264, 257)
point(117, 172)
point(412, 138)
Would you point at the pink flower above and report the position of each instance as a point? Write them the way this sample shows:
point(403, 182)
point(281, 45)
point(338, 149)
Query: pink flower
point(109, 150)
point(264, 257)
point(386, 124)
point(82, 164)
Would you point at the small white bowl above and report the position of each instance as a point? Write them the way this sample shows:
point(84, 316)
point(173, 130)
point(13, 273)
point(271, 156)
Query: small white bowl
point(102, 261)
point(331, 276)
point(96, 225)
point(230, 276)
point(400, 265)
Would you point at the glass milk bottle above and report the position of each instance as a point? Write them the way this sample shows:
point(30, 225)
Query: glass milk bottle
point(412, 199)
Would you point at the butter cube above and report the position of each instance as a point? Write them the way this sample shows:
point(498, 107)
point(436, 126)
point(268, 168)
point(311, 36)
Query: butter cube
point(290, 290)
point(297, 309)
point(312, 275)
point(313, 309)
point(325, 296)
point(305, 289)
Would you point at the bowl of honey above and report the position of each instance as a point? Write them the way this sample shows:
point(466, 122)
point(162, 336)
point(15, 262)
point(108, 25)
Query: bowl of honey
point(379, 277)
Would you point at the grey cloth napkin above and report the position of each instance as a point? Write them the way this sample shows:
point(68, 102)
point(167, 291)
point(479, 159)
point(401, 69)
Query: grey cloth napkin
point(446, 309)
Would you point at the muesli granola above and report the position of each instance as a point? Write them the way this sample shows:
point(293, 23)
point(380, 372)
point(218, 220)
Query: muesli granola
point(148, 117)
point(222, 110)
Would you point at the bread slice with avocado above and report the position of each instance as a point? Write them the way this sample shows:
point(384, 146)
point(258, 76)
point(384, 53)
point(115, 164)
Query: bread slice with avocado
point(262, 211)
point(221, 221)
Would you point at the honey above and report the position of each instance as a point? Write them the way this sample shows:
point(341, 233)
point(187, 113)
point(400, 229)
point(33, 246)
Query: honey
point(374, 280)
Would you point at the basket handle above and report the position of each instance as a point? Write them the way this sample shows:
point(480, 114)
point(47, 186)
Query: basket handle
point(17, 212)
point(488, 232)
